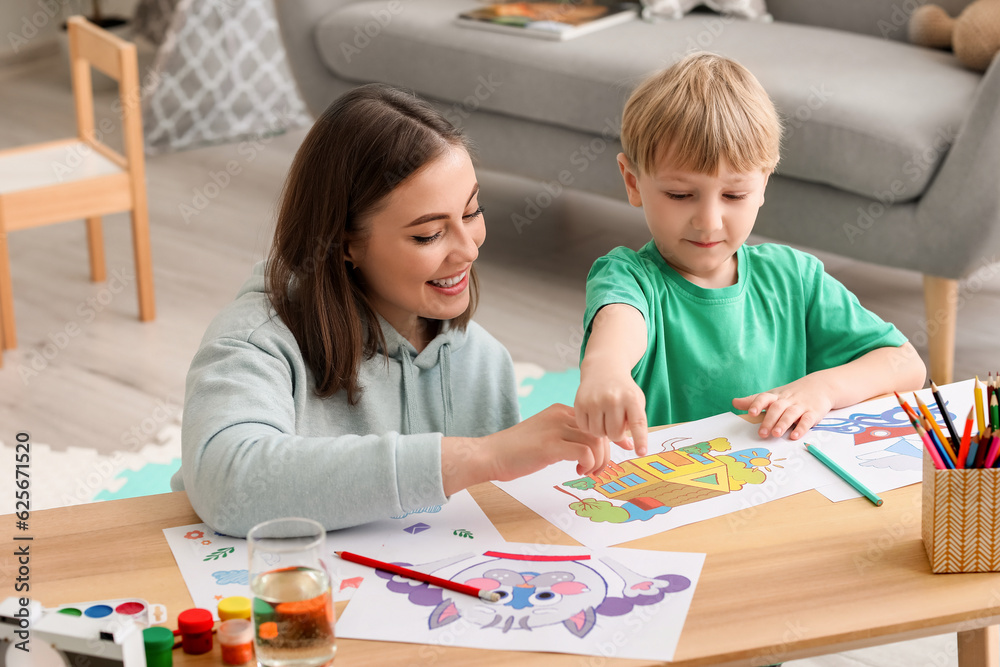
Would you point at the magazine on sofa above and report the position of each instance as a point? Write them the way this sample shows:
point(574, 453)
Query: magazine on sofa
point(544, 19)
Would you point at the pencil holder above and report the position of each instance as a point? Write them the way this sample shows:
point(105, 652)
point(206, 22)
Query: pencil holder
point(960, 519)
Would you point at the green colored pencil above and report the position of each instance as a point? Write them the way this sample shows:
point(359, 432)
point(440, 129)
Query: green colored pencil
point(835, 467)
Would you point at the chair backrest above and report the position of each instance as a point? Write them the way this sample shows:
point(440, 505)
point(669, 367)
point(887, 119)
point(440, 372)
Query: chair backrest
point(91, 46)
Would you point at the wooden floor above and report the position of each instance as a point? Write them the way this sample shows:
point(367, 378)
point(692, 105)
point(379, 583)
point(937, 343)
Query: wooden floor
point(114, 384)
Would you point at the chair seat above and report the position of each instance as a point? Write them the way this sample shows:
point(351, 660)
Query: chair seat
point(30, 167)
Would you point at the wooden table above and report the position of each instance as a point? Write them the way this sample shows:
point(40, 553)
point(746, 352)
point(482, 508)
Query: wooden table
point(793, 578)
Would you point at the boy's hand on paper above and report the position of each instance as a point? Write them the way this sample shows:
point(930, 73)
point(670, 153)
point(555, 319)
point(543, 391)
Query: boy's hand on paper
point(612, 406)
point(801, 404)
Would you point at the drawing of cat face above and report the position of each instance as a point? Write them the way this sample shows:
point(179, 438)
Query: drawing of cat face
point(529, 598)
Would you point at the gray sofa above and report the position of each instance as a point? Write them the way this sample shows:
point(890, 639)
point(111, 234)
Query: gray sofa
point(891, 152)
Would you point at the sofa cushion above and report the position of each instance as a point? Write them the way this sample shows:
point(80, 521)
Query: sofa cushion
point(867, 115)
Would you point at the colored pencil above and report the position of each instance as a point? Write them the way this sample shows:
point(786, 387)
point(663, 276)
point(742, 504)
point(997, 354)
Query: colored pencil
point(948, 423)
point(987, 393)
point(980, 413)
point(910, 412)
point(846, 476)
point(963, 448)
point(970, 460)
point(984, 440)
point(994, 417)
point(949, 463)
point(932, 423)
point(991, 458)
point(488, 596)
point(932, 449)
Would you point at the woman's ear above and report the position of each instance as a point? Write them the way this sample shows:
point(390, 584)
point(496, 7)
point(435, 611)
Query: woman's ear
point(349, 256)
point(631, 177)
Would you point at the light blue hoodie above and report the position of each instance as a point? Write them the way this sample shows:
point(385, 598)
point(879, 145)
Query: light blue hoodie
point(258, 443)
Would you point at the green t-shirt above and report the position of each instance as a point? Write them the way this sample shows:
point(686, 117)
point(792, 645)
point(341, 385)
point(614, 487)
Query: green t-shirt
point(783, 319)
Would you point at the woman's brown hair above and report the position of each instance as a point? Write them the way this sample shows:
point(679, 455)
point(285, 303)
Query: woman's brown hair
point(365, 144)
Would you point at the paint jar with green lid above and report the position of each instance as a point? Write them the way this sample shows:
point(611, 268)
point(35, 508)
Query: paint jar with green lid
point(159, 645)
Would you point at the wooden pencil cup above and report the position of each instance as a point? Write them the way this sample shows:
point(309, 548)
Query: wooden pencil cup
point(960, 519)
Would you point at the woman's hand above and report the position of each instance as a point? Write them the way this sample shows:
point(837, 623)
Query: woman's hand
point(548, 437)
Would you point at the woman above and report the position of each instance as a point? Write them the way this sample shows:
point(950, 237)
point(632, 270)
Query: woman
point(347, 382)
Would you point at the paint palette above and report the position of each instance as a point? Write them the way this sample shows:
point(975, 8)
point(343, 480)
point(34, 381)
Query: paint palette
point(67, 636)
point(136, 610)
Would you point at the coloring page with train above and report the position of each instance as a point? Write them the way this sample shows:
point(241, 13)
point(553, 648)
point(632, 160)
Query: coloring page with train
point(621, 603)
point(875, 442)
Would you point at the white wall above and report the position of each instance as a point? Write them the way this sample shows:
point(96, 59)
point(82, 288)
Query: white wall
point(28, 28)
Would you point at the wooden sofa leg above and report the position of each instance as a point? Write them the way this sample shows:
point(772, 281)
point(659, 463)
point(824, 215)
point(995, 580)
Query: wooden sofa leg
point(941, 305)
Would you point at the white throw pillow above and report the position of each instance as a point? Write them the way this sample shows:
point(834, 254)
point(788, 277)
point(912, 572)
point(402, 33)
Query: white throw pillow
point(675, 9)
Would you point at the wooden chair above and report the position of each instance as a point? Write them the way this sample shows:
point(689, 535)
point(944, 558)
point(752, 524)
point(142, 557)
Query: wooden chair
point(81, 177)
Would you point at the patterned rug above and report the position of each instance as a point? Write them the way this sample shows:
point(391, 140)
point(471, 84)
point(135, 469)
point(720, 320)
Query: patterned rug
point(79, 475)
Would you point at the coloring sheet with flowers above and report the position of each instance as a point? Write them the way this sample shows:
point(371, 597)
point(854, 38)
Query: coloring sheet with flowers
point(215, 566)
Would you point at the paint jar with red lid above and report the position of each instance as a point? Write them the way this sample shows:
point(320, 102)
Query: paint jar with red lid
point(195, 626)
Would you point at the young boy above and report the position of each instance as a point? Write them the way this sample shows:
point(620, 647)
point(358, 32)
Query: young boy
point(696, 322)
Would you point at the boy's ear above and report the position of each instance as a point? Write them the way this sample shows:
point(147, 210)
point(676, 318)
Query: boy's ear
point(764, 189)
point(631, 177)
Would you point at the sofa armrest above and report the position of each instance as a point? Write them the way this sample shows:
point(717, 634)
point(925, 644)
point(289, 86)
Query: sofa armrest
point(961, 208)
point(317, 85)
point(880, 18)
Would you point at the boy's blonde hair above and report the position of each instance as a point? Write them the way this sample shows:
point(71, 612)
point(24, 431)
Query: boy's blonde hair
point(701, 109)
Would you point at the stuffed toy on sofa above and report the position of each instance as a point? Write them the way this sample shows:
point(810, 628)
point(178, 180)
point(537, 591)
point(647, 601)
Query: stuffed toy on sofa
point(675, 9)
point(974, 34)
